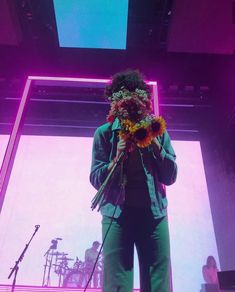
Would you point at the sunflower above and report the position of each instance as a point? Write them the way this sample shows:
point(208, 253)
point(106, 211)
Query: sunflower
point(143, 132)
point(158, 126)
point(125, 133)
point(140, 133)
point(142, 137)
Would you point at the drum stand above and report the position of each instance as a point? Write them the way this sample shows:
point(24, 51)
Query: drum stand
point(61, 271)
point(48, 265)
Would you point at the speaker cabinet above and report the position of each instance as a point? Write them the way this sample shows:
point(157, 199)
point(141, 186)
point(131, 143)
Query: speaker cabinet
point(226, 281)
point(209, 288)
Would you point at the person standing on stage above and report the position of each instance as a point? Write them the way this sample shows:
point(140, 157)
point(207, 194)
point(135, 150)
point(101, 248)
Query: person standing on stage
point(134, 207)
point(90, 259)
point(210, 271)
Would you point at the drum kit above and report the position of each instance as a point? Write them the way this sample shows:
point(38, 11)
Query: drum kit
point(77, 275)
point(74, 275)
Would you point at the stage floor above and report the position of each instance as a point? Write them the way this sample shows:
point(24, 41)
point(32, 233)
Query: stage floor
point(21, 288)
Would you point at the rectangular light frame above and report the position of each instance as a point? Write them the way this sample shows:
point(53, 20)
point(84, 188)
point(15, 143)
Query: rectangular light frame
point(13, 142)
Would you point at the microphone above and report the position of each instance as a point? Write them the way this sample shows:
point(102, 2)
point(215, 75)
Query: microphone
point(58, 238)
point(37, 226)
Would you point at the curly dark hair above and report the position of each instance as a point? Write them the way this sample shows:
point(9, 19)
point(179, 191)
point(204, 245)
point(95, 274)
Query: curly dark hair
point(130, 80)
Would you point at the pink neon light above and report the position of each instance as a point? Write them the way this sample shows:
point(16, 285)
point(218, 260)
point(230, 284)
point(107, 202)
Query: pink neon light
point(10, 146)
point(74, 79)
point(22, 105)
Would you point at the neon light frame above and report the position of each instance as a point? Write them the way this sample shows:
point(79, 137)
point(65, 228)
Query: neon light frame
point(11, 149)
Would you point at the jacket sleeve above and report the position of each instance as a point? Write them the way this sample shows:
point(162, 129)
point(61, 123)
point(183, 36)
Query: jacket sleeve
point(165, 161)
point(100, 159)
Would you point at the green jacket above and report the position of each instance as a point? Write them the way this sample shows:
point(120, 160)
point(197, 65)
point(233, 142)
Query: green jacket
point(160, 170)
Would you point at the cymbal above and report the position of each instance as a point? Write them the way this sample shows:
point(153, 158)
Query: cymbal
point(60, 253)
point(64, 259)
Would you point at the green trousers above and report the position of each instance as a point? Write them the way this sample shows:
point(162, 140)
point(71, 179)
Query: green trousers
point(136, 226)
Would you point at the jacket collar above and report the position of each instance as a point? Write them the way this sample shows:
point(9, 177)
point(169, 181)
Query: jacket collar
point(116, 125)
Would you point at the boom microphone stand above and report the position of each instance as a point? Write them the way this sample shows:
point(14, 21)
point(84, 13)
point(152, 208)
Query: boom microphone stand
point(15, 269)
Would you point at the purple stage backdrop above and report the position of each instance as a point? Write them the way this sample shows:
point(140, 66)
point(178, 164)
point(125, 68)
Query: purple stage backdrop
point(203, 26)
point(49, 185)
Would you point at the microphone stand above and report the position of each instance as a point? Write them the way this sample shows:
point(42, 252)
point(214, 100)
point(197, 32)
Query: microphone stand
point(15, 269)
point(99, 197)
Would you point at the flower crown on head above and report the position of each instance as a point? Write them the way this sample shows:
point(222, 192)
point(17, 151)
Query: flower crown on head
point(124, 94)
point(131, 105)
point(133, 109)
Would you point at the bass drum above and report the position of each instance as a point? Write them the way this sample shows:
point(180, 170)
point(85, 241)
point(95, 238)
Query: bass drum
point(74, 279)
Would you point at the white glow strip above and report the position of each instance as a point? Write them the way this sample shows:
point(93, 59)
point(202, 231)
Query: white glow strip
point(13, 136)
point(73, 79)
point(155, 100)
point(68, 79)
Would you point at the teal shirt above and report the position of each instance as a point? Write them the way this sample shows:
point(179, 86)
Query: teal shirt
point(160, 170)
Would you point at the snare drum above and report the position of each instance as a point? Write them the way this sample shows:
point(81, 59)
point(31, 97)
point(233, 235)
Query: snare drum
point(74, 279)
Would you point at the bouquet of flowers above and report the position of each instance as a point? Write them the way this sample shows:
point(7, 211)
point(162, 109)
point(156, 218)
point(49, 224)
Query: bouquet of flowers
point(133, 109)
